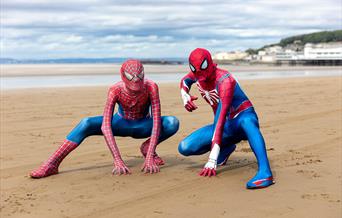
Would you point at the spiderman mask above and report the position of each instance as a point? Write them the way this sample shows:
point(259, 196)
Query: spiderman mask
point(202, 65)
point(132, 74)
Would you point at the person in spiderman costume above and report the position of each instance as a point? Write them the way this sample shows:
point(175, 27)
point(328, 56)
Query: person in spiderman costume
point(234, 119)
point(135, 97)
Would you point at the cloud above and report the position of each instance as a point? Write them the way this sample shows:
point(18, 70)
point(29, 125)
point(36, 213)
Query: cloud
point(147, 28)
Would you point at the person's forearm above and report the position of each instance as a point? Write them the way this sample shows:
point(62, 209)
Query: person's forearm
point(155, 135)
point(110, 141)
point(218, 131)
point(156, 116)
point(107, 125)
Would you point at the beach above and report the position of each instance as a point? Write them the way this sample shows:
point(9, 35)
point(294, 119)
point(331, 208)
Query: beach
point(300, 119)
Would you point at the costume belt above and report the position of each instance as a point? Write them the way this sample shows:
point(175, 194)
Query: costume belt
point(234, 112)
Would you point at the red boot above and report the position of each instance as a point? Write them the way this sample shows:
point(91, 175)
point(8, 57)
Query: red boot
point(50, 167)
point(144, 149)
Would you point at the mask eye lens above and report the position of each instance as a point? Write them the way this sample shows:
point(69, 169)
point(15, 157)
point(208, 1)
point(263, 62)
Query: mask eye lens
point(204, 65)
point(141, 75)
point(192, 68)
point(128, 76)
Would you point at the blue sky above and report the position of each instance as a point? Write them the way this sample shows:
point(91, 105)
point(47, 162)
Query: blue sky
point(147, 28)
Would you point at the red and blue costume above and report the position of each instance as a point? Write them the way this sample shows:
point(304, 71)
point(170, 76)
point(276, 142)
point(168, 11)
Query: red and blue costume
point(138, 116)
point(234, 119)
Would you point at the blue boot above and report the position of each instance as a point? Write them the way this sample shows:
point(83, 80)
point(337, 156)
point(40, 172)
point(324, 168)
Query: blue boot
point(260, 180)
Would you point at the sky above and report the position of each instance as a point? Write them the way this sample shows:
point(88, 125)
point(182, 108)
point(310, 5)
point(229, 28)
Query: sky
point(42, 29)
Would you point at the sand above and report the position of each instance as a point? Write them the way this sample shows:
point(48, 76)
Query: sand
point(300, 119)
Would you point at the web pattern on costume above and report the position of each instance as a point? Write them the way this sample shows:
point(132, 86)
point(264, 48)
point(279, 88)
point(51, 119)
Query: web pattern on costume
point(133, 108)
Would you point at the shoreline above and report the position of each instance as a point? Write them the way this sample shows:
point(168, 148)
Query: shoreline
point(18, 70)
point(175, 83)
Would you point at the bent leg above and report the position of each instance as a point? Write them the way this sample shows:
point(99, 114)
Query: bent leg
point(143, 128)
point(87, 126)
point(92, 126)
point(250, 126)
point(169, 127)
point(229, 139)
point(225, 152)
point(198, 142)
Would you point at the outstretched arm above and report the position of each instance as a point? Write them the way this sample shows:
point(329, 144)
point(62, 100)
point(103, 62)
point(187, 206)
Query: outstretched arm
point(226, 92)
point(120, 167)
point(150, 165)
point(185, 86)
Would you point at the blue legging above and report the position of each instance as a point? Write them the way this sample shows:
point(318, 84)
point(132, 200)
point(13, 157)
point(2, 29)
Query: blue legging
point(243, 127)
point(141, 128)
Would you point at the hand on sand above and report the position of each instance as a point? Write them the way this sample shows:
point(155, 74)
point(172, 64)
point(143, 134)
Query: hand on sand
point(150, 166)
point(120, 168)
point(209, 169)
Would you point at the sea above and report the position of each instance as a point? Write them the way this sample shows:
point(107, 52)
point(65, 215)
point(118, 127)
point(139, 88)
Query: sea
point(23, 82)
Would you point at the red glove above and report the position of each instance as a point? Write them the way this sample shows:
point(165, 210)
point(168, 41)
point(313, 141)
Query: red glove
point(150, 166)
point(188, 101)
point(210, 167)
point(120, 168)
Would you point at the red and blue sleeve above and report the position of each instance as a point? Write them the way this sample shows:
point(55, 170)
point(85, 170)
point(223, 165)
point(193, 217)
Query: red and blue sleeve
point(226, 91)
point(187, 81)
point(156, 116)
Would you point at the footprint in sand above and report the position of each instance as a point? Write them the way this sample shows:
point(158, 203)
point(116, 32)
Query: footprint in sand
point(309, 173)
point(322, 196)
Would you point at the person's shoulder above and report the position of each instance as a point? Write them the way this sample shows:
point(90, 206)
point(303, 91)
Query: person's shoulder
point(116, 87)
point(221, 72)
point(151, 84)
point(223, 75)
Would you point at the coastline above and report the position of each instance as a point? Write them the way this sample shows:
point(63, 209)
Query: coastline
point(17, 70)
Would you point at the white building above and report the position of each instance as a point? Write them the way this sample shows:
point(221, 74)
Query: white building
point(312, 52)
point(231, 56)
point(265, 56)
point(289, 55)
point(323, 51)
point(273, 49)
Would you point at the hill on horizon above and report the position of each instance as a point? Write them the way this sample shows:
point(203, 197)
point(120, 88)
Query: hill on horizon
point(317, 37)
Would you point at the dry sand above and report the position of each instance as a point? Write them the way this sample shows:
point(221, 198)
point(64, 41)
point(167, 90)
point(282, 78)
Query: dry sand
point(300, 119)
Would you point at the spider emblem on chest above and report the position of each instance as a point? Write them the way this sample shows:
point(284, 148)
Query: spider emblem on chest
point(211, 96)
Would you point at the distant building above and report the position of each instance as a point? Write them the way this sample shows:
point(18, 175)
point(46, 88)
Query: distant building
point(230, 56)
point(269, 54)
point(296, 52)
point(289, 55)
point(323, 51)
point(273, 49)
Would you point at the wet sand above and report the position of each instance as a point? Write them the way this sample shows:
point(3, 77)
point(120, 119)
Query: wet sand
point(11, 70)
point(300, 119)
